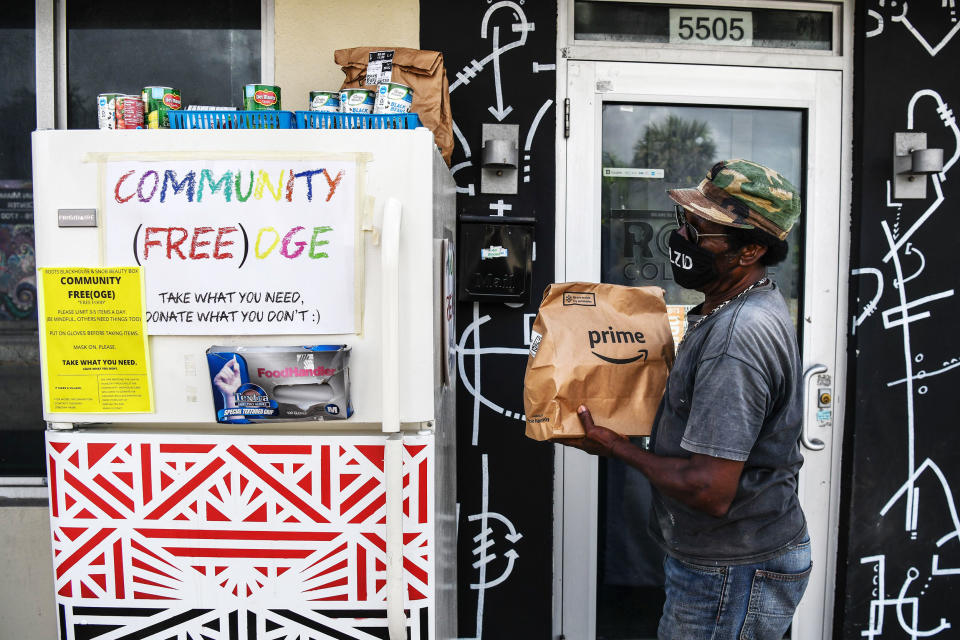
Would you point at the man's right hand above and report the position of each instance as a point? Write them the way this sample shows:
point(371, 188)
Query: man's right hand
point(597, 440)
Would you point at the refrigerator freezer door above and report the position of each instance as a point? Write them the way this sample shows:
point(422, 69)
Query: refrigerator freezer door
point(239, 536)
point(69, 174)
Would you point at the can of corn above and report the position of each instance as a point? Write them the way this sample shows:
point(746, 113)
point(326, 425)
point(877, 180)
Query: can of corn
point(157, 101)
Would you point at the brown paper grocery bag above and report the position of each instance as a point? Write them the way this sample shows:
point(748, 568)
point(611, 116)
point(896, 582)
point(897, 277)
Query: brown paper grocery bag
point(422, 71)
point(603, 345)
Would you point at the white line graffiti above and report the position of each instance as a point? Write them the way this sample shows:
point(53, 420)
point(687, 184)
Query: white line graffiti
point(453, 172)
point(536, 123)
point(522, 27)
point(908, 250)
point(932, 50)
point(485, 542)
point(948, 495)
point(950, 122)
point(902, 315)
point(471, 70)
point(463, 141)
point(903, 19)
point(879, 28)
point(872, 305)
point(880, 601)
point(928, 374)
point(894, 247)
point(912, 575)
point(902, 310)
point(528, 144)
point(500, 112)
point(473, 388)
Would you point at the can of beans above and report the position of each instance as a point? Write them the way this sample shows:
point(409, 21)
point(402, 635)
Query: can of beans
point(129, 110)
point(261, 97)
point(107, 110)
point(157, 101)
point(356, 101)
point(393, 97)
point(325, 101)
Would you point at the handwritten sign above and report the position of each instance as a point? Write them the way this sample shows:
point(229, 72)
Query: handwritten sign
point(94, 342)
point(237, 247)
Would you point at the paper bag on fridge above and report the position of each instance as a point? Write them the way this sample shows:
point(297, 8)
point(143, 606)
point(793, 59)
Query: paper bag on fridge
point(606, 346)
point(422, 71)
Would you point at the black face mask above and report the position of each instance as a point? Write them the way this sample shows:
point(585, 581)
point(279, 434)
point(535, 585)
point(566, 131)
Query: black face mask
point(692, 266)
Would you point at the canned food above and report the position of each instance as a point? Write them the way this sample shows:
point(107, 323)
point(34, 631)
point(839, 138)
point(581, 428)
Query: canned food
point(261, 97)
point(356, 101)
point(129, 110)
point(326, 101)
point(106, 110)
point(393, 97)
point(157, 101)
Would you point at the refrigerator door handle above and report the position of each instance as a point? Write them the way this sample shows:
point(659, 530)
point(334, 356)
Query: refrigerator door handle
point(390, 394)
point(390, 315)
point(811, 443)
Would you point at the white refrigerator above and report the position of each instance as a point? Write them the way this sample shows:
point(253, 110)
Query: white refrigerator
point(166, 523)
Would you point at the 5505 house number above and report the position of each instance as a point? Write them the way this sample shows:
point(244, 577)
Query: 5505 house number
point(711, 27)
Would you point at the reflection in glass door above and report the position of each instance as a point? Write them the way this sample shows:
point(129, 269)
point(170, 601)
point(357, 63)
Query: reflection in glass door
point(645, 150)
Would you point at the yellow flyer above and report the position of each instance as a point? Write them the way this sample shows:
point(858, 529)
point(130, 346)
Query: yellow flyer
point(94, 340)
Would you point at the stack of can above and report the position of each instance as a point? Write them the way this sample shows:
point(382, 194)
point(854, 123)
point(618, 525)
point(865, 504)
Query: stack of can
point(149, 109)
point(389, 98)
point(119, 111)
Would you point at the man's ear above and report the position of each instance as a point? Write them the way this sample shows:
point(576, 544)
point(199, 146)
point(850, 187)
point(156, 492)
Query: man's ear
point(750, 254)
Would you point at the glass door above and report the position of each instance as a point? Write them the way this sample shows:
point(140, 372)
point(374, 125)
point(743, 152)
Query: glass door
point(637, 130)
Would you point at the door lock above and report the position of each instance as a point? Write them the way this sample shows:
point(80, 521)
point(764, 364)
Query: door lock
point(824, 416)
point(825, 398)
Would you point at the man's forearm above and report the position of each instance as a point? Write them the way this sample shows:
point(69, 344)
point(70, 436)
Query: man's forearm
point(702, 482)
point(684, 479)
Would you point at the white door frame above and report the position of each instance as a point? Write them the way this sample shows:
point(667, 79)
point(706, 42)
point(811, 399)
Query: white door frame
point(820, 92)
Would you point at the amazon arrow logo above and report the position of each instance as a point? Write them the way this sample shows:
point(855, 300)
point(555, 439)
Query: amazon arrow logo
point(641, 355)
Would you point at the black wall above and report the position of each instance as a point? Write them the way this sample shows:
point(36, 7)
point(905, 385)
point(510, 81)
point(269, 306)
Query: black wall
point(900, 543)
point(500, 472)
point(900, 435)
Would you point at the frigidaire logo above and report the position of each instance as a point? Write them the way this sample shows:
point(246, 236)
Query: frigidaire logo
point(611, 336)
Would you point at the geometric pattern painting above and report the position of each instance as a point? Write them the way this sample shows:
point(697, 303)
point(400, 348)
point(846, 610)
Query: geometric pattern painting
point(234, 537)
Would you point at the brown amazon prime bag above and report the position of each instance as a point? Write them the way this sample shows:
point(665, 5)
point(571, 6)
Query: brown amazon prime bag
point(606, 346)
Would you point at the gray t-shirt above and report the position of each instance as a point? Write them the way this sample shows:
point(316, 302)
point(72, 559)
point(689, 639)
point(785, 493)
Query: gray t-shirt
point(734, 392)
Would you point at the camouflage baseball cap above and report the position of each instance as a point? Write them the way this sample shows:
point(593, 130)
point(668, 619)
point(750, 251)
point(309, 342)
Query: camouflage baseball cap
point(744, 194)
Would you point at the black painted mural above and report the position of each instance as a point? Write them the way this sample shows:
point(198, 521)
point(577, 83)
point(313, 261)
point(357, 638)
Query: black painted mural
point(500, 61)
point(899, 574)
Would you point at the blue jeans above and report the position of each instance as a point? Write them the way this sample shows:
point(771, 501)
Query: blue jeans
point(746, 601)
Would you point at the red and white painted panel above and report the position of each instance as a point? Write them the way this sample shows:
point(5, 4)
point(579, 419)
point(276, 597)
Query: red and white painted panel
point(233, 537)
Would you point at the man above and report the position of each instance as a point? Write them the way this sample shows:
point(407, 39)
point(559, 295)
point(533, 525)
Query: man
point(724, 453)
